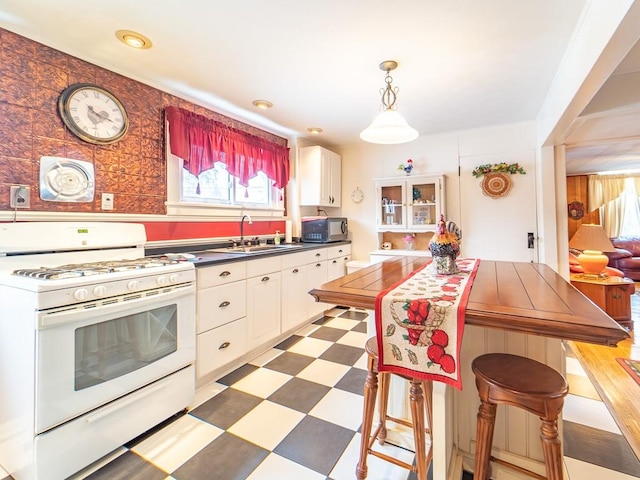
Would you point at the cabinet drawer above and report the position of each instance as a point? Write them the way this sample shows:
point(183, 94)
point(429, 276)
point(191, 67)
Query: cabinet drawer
point(220, 346)
point(219, 305)
point(339, 251)
point(316, 255)
point(294, 260)
point(220, 274)
point(263, 266)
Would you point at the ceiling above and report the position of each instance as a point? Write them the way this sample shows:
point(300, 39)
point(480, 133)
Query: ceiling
point(606, 136)
point(462, 63)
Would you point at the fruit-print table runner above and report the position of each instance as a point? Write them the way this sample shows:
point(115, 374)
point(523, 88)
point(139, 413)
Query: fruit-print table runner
point(420, 322)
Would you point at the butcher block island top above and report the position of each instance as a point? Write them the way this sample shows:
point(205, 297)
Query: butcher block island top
point(513, 296)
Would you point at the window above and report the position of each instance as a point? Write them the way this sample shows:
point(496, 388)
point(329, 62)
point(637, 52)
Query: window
point(630, 205)
point(217, 186)
point(210, 164)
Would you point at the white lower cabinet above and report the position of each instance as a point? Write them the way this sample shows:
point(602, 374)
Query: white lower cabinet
point(243, 306)
point(217, 306)
point(220, 316)
point(220, 346)
point(294, 295)
point(263, 304)
point(318, 275)
point(337, 258)
point(263, 300)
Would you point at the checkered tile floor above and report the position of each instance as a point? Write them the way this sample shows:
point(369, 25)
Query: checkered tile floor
point(294, 413)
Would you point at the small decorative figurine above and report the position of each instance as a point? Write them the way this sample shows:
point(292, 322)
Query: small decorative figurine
point(445, 247)
point(406, 167)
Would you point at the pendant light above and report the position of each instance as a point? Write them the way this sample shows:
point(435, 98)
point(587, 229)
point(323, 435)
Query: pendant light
point(389, 127)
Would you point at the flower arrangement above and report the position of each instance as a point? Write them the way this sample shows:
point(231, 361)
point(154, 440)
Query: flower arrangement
point(511, 168)
point(406, 167)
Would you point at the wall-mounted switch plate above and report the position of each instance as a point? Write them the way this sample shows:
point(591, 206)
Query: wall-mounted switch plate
point(107, 201)
point(20, 196)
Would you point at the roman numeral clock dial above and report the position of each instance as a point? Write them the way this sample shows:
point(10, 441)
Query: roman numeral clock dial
point(93, 114)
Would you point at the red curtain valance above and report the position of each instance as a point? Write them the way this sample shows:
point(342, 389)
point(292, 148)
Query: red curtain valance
point(201, 141)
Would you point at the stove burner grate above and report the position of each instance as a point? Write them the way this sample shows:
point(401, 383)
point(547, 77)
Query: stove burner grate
point(93, 268)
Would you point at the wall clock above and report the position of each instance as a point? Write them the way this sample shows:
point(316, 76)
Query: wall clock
point(93, 114)
point(357, 195)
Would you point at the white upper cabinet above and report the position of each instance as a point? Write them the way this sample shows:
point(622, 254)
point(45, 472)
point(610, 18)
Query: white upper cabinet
point(413, 203)
point(320, 177)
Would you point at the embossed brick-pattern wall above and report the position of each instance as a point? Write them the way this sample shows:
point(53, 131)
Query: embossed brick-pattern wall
point(32, 77)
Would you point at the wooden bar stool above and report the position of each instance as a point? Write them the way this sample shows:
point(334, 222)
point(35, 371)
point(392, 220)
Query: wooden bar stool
point(420, 395)
point(508, 379)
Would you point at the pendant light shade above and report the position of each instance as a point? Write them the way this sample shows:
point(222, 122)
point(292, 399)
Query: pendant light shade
point(389, 127)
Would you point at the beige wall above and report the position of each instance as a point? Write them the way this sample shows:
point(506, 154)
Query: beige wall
point(492, 228)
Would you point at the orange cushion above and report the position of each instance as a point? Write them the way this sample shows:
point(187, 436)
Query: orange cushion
point(573, 259)
point(609, 271)
point(613, 272)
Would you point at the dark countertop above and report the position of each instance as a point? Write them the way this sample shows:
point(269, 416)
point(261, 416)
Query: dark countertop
point(204, 257)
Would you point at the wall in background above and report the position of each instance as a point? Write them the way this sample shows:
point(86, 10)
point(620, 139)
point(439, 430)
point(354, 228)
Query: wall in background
point(32, 77)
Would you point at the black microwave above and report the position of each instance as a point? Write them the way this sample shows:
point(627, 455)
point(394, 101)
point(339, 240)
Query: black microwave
point(324, 229)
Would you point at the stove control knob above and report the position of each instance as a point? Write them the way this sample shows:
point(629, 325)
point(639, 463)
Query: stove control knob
point(134, 285)
point(162, 280)
point(174, 278)
point(100, 291)
point(81, 294)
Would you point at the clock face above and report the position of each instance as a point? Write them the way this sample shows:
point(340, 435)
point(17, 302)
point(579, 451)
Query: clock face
point(93, 114)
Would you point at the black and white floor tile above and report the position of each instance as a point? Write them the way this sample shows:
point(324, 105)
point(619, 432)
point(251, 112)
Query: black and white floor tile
point(294, 413)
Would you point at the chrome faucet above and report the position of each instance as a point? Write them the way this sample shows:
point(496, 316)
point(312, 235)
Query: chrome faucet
point(248, 217)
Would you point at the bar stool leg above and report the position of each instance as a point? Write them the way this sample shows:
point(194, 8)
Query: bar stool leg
point(417, 416)
point(551, 448)
point(370, 390)
point(484, 440)
point(384, 379)
point(427, 390)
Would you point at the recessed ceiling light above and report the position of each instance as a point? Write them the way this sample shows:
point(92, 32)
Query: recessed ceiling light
point(133, 39)
point(262, 104)
point(315, 130)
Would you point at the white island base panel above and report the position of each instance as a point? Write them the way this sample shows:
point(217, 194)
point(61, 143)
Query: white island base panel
point(517, 433)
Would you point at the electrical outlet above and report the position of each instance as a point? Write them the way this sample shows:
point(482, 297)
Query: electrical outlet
point(20, 196)
point(107, 201)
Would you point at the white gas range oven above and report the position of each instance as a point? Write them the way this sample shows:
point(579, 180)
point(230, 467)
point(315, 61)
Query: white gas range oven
point(97, 343)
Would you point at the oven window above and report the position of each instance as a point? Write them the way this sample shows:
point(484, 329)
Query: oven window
point(110, 349)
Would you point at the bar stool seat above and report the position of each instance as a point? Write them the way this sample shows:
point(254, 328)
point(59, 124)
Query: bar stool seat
point(420, 396)
point(506, 379)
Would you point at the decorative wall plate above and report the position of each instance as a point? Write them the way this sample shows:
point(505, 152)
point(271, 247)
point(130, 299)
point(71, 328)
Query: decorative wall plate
point(576, 210)
point(496, 184)
point(357, 195)
point(66, 180)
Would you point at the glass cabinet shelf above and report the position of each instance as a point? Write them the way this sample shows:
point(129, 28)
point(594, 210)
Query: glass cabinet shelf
point(412, 203)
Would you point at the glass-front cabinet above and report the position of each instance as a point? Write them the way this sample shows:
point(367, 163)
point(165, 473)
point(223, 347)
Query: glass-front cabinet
point(413, 203)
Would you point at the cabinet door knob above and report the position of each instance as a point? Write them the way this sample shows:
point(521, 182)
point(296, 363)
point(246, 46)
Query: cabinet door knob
point(265, 279)
point(295, 270)
point(224, 304)
point(224, 345)
point(617, 296)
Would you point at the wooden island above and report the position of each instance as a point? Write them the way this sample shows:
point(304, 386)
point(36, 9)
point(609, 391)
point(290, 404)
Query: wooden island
point(514, 307)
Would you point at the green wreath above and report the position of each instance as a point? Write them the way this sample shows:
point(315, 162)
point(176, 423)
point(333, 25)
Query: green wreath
point(511, 168)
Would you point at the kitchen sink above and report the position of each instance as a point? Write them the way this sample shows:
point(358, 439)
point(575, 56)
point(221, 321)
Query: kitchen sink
point(254, 249)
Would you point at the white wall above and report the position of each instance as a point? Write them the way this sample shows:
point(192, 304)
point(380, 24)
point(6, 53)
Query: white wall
point(492, 228)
